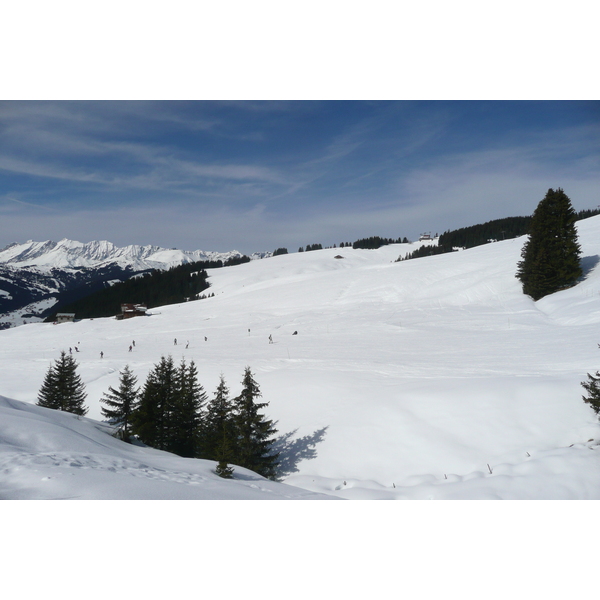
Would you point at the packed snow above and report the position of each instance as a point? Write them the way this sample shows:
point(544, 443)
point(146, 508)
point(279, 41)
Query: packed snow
point(433, 378)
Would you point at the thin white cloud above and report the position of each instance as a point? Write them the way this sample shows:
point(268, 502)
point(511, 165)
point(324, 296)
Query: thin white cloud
point(364, 181)
point(7, 198)
point(56, 141)
point(220, 226)
point(153, 169)
point(44, 170)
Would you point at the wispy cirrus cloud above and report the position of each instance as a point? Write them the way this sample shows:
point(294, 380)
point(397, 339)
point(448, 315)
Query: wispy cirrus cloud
point(42, 169)
point(132, 165)
point(74, 143)
point(7, 200)
point(286, 173)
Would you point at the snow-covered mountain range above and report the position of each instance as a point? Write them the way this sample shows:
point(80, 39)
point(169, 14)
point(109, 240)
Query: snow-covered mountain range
point(72, 254)
point(34, 276)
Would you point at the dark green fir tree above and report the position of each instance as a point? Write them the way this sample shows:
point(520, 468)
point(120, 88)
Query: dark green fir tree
point(592, 387)
point(551, 256)
point(185, 416)
point(254, 444)
point(121, 403)
point(219, 431)
point(62, 388)
point(224, 469)
point(151, 419)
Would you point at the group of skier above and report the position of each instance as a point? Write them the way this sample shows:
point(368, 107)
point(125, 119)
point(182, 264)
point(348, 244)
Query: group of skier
point(187, 345)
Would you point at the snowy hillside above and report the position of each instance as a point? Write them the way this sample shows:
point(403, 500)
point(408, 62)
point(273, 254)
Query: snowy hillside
point(429, 378)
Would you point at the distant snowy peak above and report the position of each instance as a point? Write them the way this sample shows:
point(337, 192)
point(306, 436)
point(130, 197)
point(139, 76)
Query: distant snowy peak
point(72, 254)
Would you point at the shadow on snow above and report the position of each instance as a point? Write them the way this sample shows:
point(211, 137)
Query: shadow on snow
point(588, 264)
point(291, 452)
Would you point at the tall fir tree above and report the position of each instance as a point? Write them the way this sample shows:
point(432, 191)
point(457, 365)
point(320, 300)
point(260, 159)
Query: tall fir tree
point(185, 415)
point(49, 396)
point(151, 419)
point(219, 431)
point(592, 387)
point(551, 255)
point(121, 403)
point(254, 444)
point(62, 388)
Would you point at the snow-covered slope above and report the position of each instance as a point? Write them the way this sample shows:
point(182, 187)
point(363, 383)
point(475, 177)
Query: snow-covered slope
point(52, 455)
point(70, 254)
point(429, 378)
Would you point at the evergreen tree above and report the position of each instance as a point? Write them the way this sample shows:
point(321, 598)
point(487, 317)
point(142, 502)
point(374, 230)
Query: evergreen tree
point(49, 396)
point(151, 419)
point(169, 414)
point(551, 254)
point(254, 442)
point(62, 388)
point(145, 418)
point(219, 431)
point(185, 416)
point(224, 470)
point(121, 403)
point(592, 387)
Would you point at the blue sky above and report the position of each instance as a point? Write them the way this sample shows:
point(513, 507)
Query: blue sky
point(258, 175)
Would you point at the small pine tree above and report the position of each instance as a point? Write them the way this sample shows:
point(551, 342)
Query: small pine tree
point(62, 388)
point(254, 442)
point(121, 403)
point(551, 255)
point(224, 470)
point(592, 387)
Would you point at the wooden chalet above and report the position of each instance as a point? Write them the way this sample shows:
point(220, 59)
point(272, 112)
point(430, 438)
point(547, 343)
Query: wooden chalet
point(64, 317)
point(132, 310)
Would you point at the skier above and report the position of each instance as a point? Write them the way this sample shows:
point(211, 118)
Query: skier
point(270, 339)
point(130, 347)
point(187, 345)
point(133, 343)
point(175, 342)
point(101, 354)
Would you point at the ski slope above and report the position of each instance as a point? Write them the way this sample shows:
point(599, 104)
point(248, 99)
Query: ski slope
point(434, 378)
